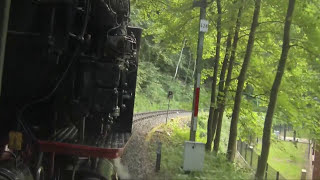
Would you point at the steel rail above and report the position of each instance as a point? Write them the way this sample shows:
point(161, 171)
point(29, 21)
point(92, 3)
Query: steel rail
point(149, 115)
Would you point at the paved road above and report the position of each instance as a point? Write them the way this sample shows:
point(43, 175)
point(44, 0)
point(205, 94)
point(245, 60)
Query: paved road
point(301, 140)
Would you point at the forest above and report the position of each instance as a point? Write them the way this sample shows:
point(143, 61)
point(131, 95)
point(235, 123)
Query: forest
point(260, 67)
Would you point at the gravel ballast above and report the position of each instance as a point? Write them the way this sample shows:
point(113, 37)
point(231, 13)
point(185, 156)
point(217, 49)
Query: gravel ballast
point(135, 155)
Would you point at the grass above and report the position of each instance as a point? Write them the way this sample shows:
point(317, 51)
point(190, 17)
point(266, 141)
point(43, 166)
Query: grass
point(287, 158)
point(173, 136)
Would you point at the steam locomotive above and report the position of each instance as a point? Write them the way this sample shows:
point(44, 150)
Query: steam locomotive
point(68, 88)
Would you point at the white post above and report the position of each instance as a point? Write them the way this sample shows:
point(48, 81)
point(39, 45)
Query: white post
point(203, 27)
point(303, 174)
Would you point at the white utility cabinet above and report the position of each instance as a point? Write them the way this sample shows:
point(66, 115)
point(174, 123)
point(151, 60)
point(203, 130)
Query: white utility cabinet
point(193, 157)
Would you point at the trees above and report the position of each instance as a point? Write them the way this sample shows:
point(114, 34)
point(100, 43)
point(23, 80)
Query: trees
point(241, 80)
point(274, 93)
point(223, 91)
point(169, 22)
point(220, 92)
point(212, 121)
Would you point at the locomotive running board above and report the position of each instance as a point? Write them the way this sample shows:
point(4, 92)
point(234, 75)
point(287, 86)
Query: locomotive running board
point(79, 150)
point(114, 147)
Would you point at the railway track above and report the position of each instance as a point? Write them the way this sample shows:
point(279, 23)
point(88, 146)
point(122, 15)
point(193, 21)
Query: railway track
point(136, 156)
point(147, 115)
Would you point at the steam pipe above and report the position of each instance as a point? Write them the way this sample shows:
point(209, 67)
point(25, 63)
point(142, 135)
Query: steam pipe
point(4, 20)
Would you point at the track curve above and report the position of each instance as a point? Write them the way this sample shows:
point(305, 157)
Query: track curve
point(136, 153)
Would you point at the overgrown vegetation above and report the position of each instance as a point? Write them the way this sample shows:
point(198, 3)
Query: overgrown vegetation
point(275, 67)
point(154, 82)
point(173, 136)
point(168, 23)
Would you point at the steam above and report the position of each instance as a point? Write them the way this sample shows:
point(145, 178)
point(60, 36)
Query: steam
point(122, 170)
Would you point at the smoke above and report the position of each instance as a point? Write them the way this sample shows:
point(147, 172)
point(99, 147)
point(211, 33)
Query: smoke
point(122, 170)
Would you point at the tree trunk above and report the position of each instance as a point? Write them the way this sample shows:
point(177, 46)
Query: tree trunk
point(241, 80)
point(229, 74)
point(190, 58)
point(177, 68)
point(221, 92)
point(211, 124)
point(280, 129)
point(285, 132)
point(274, 93)
point(194, 68)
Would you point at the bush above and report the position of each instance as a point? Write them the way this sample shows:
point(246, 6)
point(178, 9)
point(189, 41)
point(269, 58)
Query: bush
point(153, 86)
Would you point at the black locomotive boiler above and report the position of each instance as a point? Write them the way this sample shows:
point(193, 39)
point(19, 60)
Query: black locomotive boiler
point(68, 88)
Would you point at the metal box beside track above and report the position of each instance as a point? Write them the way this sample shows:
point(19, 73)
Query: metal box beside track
point(193, 157)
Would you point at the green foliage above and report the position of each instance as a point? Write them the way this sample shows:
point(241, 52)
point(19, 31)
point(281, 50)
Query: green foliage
point(250, 122)
point(287, 158)
point(215, 167)
point(167, 23)
point(153, 86)
point(155, 78)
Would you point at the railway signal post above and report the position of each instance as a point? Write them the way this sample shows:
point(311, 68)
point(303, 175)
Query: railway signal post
point(170, 96)
point(203, 27)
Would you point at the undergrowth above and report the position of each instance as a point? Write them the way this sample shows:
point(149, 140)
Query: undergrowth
point(173, 135)
point(152, 90)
